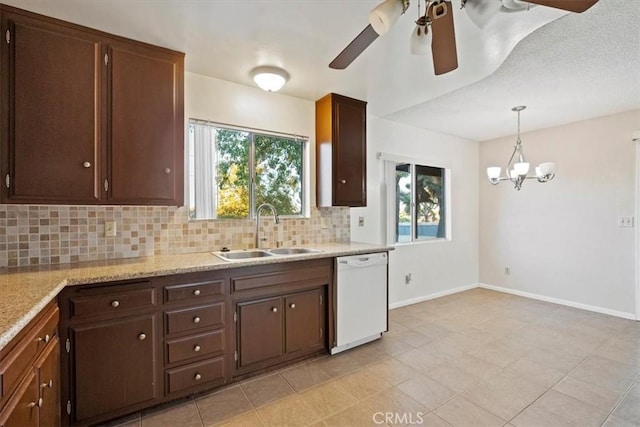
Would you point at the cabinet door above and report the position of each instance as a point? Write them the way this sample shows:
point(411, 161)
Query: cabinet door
point(22, 409)
point(259, 331)
point(349, 152)
point(48, 373)
point(51, 82)
point(147, 123)
point(304, 321)
point(113, 364)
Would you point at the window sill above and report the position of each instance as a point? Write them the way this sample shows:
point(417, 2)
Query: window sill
point(422, 242)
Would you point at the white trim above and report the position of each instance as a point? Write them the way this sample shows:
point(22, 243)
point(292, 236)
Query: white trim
point(567, 303)
point(431, 296)
point(636, 138)
point(388, 157)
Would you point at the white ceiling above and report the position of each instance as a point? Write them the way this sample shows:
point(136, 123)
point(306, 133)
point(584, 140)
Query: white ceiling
point(565, 67)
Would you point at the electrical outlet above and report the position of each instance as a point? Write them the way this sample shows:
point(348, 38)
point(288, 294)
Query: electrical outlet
point(625, 221)
point(507, 271)
point(110, 229)
point(360, 221)
point(407, 279)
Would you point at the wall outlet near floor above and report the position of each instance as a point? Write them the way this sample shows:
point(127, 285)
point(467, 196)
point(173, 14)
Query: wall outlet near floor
point(110, 229)
point(360, 221)
point(507, 271)
point(625, 221)
point(407, 279)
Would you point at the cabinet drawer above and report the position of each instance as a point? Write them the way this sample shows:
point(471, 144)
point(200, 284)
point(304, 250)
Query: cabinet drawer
point(195, 346)
point(193, 291)
point(112, 302)
point(194, 318)
point(320, 275)
point(195, 374)
point(24, 354)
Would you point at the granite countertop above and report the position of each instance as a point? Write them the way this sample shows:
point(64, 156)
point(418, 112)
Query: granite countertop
point(25, 291)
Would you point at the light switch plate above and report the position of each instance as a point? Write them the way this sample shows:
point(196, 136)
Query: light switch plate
point(110, 229)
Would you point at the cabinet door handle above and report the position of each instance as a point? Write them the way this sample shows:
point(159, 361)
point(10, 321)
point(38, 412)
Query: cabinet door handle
point(343, 181)
point(86, 164)
point(115, 303)
point(196, 348)
point(196, 292)
point(167, 170)
point(46, 339)
point(274, 309)
point(292, 305)
point(142, 336)
point(196, 319)
point(34, 404)
point(197, 377)
point(47, 385)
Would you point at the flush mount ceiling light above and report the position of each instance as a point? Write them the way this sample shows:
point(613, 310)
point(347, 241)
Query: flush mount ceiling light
point(269, 78)
point(518, 167)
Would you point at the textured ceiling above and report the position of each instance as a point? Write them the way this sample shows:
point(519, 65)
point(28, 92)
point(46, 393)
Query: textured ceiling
point(565, 67)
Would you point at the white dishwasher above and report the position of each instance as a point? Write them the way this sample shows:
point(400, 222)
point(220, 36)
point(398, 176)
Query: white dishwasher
point(361, 299)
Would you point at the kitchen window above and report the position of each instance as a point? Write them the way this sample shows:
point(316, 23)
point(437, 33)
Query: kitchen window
point(232, 171)
point(417, 201)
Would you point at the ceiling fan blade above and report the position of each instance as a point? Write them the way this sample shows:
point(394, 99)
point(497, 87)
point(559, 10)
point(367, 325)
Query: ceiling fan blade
point(481, 11)
point(354, 49)
point(443, 44)
point(577, 6)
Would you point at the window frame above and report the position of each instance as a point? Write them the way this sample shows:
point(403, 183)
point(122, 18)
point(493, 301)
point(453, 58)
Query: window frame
point(390, 209)
point(253, 132)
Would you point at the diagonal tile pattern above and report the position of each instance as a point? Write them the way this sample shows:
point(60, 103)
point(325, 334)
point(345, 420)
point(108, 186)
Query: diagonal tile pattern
point(474, 358)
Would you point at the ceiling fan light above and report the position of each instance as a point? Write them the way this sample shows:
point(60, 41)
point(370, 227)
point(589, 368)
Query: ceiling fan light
point(481, 11)
point(420, 40)
point(383, 16)
point(268, 78)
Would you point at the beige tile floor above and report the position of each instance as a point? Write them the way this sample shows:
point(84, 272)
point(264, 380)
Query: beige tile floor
point(476, 358)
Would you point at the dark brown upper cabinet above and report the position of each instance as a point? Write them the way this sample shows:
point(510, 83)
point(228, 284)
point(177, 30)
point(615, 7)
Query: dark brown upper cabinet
point(88, 117)
point(341, 151)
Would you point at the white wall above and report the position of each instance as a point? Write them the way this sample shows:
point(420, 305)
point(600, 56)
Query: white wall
point(561, 239)
point(436, 267)
point(230, 103)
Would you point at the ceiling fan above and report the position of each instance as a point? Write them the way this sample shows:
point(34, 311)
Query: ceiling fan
point(435, 28)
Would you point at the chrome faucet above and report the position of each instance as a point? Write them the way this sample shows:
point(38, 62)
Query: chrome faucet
point(275, 217)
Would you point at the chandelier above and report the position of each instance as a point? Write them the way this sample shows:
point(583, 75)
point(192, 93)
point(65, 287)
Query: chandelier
point(518, 168)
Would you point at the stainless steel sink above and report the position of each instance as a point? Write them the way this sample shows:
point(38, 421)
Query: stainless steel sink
point(292, 251)
point(240, 255)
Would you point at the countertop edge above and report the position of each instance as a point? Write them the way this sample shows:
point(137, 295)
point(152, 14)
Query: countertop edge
point(8, 334)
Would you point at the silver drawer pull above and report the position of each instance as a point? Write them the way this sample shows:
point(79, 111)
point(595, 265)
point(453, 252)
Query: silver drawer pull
point(142, 336)
point(86, 164)
point(292, 305)
point(197, 377)
point(115, 303)
point(167, 170)
point(196, 319)
point(274, 309)
point(343, 181)
point(34, 404)
point(196, 348)
point(196, 292)
point(47, 385)
point(46, 339)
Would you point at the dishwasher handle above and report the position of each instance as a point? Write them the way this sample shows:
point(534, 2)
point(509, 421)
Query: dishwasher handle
point(365, 260)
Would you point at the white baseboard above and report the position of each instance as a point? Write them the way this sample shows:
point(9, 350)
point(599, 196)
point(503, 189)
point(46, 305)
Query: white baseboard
point(431, 296)
point(567, 303)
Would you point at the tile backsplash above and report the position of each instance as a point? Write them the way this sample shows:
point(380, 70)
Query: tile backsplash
point(39, 234)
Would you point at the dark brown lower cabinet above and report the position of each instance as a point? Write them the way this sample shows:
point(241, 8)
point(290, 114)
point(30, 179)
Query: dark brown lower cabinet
point(304, 321)
point(280, 328)
point(115, 365)
point(259, 331)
